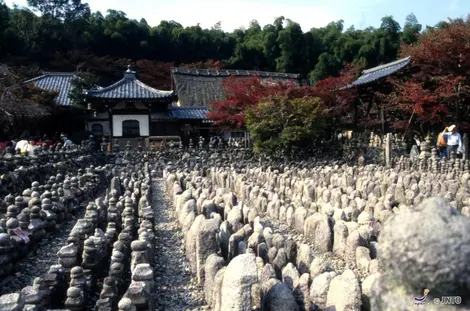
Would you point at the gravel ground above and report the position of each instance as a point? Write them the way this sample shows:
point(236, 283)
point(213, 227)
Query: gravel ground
point(39, 260)
point(176, 289)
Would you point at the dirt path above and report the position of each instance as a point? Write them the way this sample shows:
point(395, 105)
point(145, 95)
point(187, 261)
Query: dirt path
point(175, 290)
point(39, 260)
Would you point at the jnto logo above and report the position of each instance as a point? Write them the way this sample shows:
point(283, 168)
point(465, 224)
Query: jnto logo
point(420, 300)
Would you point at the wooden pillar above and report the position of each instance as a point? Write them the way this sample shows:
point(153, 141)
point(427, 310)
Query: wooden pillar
point(388, 150)
point(382, 117)
point(150, 126)
point(465, 146)
point(110, 117)
point(356, 103)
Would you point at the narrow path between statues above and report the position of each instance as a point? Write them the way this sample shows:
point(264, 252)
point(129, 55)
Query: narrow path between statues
point(175, 289)
point(40, 259)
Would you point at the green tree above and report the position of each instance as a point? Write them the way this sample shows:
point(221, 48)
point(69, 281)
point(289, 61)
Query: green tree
point(23, 30)
point(411, 29)
point(291, 42)
point(65, 33)
point(387, 40)
point(67, 10)
point(280, 126)
point(4, 20)
point(79, 86)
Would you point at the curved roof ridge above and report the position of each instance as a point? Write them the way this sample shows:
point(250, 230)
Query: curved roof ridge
point(398, 61)
point(381, 71)
point(236, 72)
point(188, 107)
point(129, 87)
point(49, 74)
point(58, 73)
point(109, 87)
point(148, 87)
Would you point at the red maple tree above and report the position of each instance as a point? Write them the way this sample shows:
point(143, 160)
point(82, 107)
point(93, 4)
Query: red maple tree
point(208, 64)
point(436, 90)
point(155, 74)
point(337, 93)
point(242, 93)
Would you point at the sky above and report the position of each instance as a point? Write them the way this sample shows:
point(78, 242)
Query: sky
point(308, 13)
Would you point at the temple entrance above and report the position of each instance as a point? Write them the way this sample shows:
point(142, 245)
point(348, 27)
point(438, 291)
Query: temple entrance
point(130, 128)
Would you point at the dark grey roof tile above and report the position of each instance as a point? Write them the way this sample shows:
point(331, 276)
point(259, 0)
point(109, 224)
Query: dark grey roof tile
point(188, 113)
point(233, 72)
point(129, 87)
point(58, 82)
point(200, 87)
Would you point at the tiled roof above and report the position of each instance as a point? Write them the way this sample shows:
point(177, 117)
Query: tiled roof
point(193, 113)
point(181, 113)
point(131, 88)
point(381, 71)
point(232, 72)
point(200, 87)
point(58, 82)
point(158, 116)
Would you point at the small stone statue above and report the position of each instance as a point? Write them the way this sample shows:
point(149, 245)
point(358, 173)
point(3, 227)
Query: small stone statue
point(414, 154)
point(116, 146)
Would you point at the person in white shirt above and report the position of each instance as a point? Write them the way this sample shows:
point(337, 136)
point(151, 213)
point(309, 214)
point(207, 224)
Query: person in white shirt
point(454, 141)
point(30, 147)
point(22, 144)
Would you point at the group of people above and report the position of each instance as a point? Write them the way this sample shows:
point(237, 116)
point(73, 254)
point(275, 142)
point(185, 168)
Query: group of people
point(26, 145)
point(448, 141)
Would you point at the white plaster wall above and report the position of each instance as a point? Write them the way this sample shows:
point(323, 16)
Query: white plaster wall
point(143, 122)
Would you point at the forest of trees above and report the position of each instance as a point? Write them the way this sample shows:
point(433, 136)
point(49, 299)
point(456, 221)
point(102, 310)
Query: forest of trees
point(63, 35)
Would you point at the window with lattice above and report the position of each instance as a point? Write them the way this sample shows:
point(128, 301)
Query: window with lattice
point(130, 128)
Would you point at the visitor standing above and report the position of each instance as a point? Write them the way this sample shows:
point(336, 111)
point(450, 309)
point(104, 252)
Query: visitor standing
point(417, 142)
point(454, 141)
point(29, 149)
point(22, 144)
point(442, 143)
point(67, 142)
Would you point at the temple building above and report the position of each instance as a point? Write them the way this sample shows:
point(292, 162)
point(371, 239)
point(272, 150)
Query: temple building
point(131, 109)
